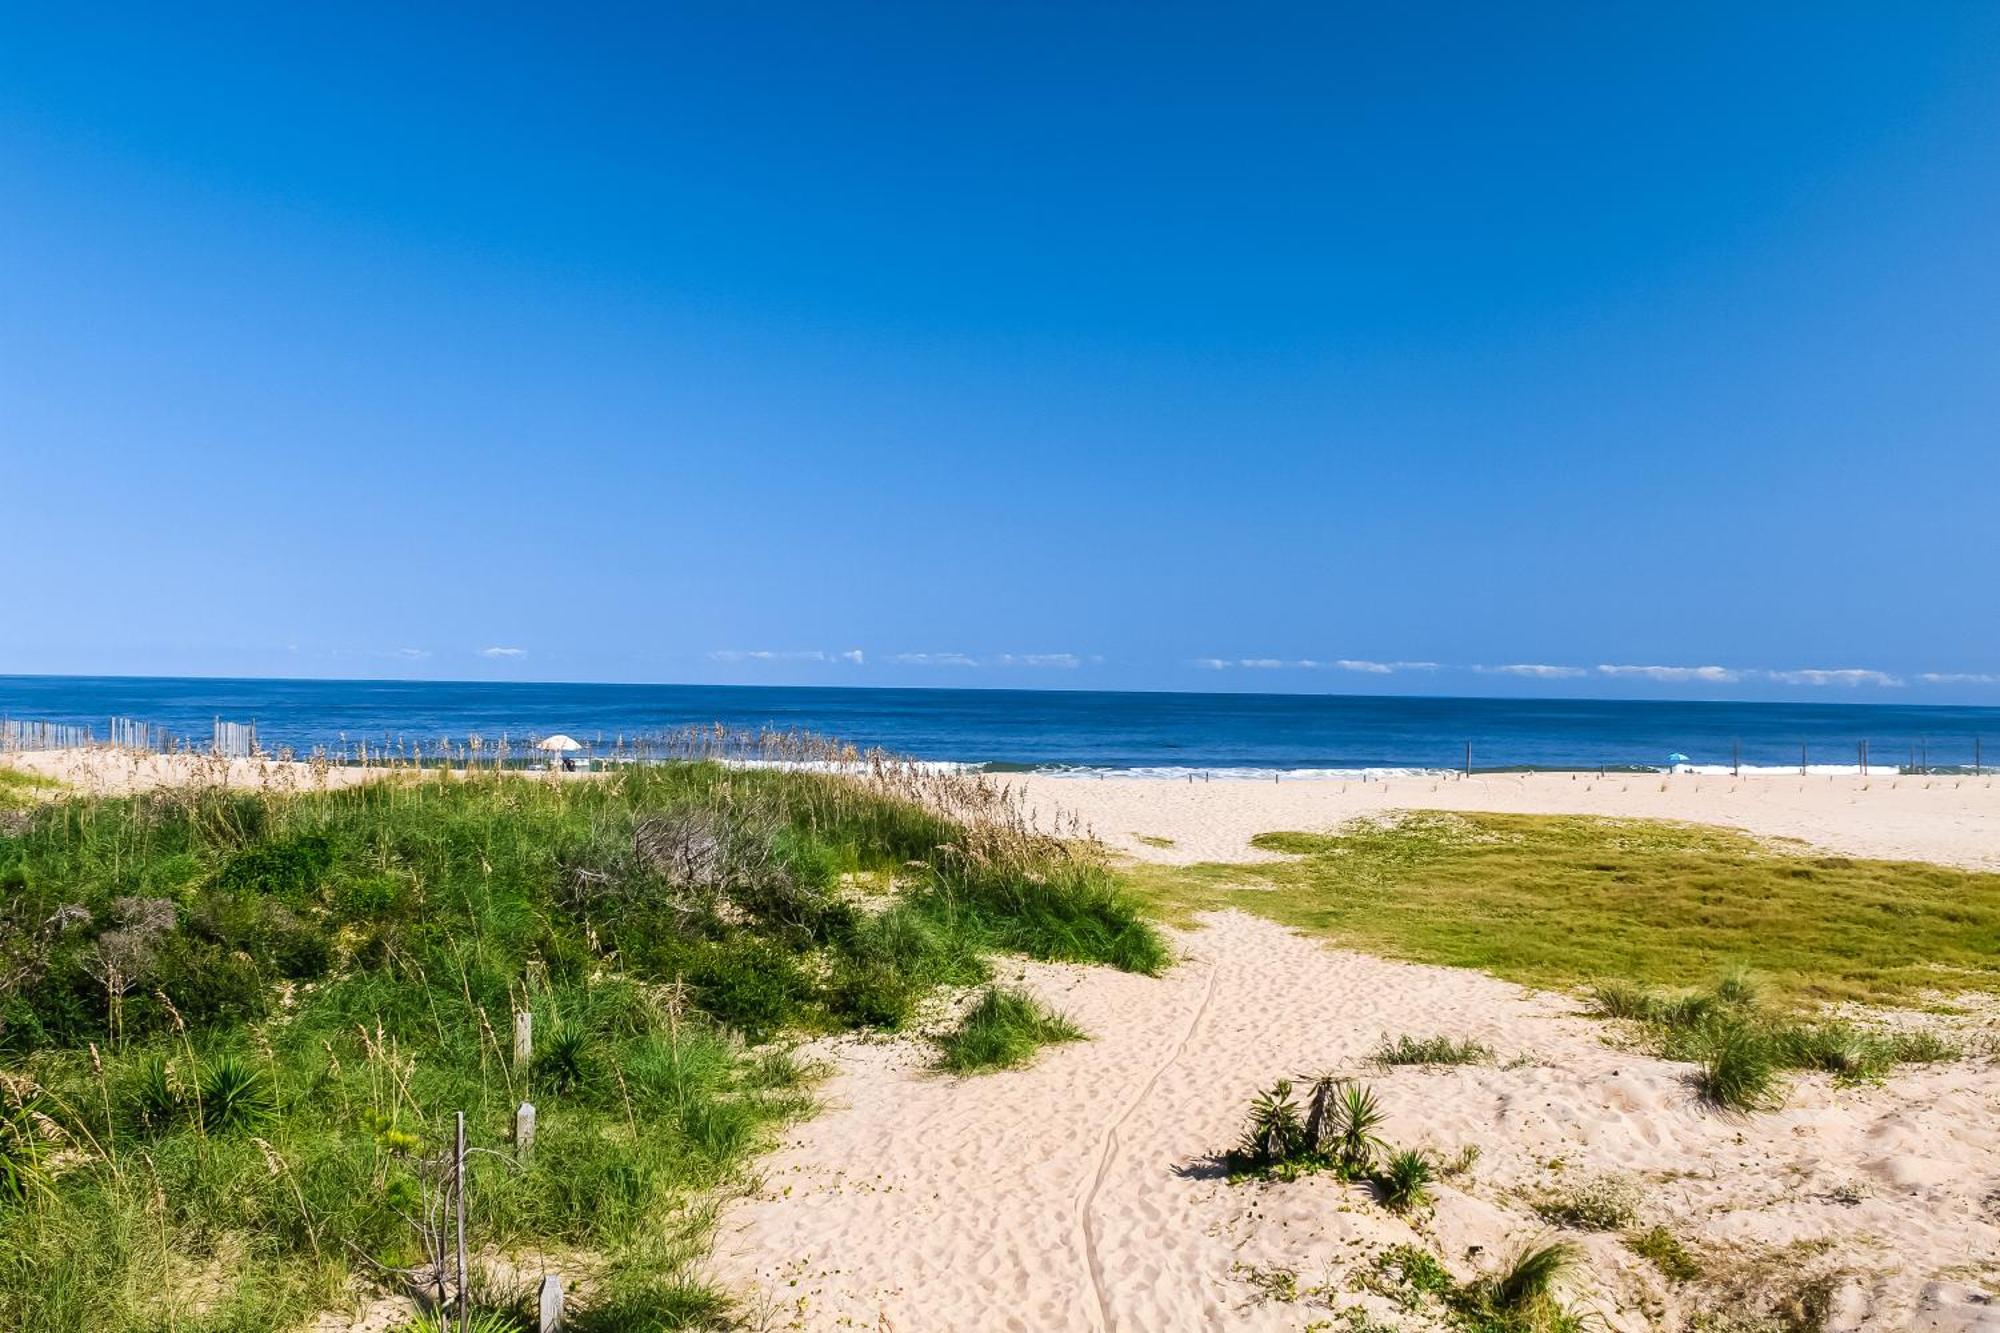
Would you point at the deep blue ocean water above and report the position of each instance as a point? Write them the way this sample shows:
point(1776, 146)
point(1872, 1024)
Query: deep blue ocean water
point(1086, 730)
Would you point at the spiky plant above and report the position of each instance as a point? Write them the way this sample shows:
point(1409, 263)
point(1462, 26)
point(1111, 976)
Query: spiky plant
point(1319, 1112)
point(1405, 1183)
point(563, 1064)
point(234, 1095)
point(1275, 1134)
point(1356, 1117)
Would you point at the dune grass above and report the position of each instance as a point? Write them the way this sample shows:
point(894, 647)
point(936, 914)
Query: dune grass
point(18, 788)
point(1438, 1050)
point(1003, 1030)
point(1561, 901)
point(235, 1026)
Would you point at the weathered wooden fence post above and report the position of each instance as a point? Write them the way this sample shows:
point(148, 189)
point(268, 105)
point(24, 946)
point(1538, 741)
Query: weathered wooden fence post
point(524, 1130)
point(524, 1038)
point(550, 1305)
point(458, 1182)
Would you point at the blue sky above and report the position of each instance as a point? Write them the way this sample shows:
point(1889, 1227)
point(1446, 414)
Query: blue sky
point(1227, 347)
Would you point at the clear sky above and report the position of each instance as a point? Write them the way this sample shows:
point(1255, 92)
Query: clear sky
point(1148, 346)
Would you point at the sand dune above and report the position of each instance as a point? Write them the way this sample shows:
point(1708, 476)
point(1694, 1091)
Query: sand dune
point(1955, 820)
point(1082, 1194)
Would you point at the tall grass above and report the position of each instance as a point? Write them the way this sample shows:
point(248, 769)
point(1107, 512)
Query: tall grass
point(236, 1024)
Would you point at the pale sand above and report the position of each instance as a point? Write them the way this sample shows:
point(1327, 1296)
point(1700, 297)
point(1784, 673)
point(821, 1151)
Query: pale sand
point(1080, 1193)
point(103, 771)
point(1955, 820)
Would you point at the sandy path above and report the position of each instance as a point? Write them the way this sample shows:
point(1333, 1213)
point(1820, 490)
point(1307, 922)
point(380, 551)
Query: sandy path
point(1080, 1193)
point(1955, 820)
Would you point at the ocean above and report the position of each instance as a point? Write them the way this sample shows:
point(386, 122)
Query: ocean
point(1081, 732)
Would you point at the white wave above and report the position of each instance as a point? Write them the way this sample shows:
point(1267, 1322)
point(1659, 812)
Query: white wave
point(1189, 773)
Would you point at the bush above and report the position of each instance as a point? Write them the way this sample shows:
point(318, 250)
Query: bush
point(871, 993)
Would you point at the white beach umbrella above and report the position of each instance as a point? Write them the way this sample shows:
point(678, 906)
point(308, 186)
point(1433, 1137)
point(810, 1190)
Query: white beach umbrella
point(558, 743)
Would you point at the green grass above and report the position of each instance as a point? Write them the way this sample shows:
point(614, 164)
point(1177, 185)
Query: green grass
point(1002, 1030)
point(19, 789)
point(236, 1026)
point(1439, 1050)
point(1560, 901)
point(1664, 1251)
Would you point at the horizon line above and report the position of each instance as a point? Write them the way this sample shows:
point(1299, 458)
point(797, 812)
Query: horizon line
point(1822, 702)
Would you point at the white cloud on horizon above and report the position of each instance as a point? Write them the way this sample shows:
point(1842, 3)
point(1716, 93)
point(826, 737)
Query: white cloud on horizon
point(935, 659)
point(414, 654)
point(1960, 678)
point(1714, 675)
point(851, 656)
point(1311, 664)
point(1533, 670)
point(1061, 661)
point(1845, 676)
point(503, 652)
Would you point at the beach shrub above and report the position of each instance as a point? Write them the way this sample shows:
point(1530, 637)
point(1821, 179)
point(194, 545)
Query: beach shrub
point(1334, 1131)
point(1276, 1135)
point(1042, 898)
point(1002, 1030)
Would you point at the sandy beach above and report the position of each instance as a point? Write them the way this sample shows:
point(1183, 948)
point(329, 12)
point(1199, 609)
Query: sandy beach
point(1951, 820)
point(1083, 1193)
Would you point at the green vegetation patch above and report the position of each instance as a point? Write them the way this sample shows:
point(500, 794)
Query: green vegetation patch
point(1560, 901)
point(236, 1027)
point(1003, 1030)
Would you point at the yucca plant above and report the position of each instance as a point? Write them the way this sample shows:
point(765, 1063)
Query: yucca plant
point(1356, 1117)
point(563, 1064)
point(1405, 1183)
point(235, 1094)
point(1275, 1133)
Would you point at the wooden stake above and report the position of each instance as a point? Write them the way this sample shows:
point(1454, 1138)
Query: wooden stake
point(524, 1130)
point(524, 1038)
point(550, 1305)
point(458, 1180)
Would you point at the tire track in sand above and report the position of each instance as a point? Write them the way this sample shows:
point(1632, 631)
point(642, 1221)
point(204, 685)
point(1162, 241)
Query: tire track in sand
point(1107, 1152)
